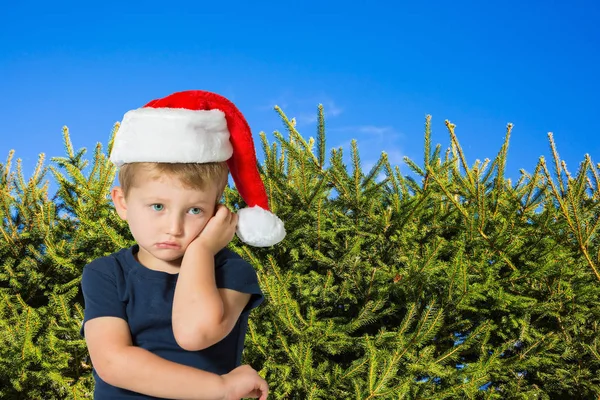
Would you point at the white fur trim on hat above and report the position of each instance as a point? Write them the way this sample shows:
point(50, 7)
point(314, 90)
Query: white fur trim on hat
point(172, 135)
point(258, 227)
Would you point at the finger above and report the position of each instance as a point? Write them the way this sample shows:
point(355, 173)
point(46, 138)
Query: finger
point(264, 388)
point(255, 394)
point(222, 212)
point(234, 220)
point(230, 217)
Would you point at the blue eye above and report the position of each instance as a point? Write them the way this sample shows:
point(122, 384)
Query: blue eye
point(157, 207)
point(195, 210)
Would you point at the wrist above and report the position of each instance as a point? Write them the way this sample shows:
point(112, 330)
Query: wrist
point(200, 248)
point(224, 388)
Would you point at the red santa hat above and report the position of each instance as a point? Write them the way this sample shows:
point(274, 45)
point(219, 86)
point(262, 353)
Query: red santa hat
point(199, 127)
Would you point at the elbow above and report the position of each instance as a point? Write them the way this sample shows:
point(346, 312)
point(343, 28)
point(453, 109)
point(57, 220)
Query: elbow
point(109, 369)
point(191, 343)
point(108, 376)
point(197, 338)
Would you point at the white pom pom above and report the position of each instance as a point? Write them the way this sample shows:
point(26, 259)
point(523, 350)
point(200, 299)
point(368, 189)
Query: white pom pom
point(258, 227)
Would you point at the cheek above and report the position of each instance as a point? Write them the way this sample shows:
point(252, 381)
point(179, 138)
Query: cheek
point(196, 226)
point(200, 225)
point(139, 220)
point(134, 216)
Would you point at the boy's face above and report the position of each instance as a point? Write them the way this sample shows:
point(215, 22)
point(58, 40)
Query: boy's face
point(164, 217)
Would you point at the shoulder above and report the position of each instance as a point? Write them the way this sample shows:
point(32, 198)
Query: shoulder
point(227, 255)
point(104, 287)
point(232, 271)
point(235, 273)
point(113, 265)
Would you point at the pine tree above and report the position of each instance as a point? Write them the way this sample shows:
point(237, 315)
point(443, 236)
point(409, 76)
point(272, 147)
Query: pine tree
point(41, 353)
point(46, 243)
point(454, 284)
point(445, 281)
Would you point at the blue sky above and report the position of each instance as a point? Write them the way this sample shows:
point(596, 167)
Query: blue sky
point(377, 67)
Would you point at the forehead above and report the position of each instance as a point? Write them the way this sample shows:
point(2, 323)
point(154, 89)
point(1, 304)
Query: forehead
point(149, 184)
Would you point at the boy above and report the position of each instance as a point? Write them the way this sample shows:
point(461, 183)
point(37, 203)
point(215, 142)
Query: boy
point(167, 317)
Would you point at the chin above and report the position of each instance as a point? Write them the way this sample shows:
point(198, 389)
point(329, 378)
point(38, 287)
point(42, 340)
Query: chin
point(167, 255)
point(170, 257)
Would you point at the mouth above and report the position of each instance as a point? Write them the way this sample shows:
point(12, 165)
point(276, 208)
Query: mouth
point(167, 245)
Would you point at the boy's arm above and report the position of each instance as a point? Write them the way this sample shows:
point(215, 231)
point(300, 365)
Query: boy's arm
point(123, 365)
point(202, 314)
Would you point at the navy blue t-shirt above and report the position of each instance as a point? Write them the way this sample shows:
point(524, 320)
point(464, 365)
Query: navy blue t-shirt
point(119, 286)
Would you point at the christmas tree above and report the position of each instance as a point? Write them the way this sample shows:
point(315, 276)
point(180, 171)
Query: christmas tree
point(446, 280)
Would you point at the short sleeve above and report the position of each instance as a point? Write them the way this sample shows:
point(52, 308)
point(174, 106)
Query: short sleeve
point(100, 286)
point(233, 272)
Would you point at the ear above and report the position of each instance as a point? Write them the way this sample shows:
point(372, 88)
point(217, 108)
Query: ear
point(118, 198)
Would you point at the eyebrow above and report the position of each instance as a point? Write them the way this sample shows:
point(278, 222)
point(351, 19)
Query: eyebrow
point(163, 200)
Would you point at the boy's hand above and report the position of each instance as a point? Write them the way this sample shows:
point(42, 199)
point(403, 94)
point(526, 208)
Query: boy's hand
point(244, 382)
point(218, 232)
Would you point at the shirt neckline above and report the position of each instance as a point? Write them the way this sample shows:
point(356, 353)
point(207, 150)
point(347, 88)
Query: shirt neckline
point(144, 271)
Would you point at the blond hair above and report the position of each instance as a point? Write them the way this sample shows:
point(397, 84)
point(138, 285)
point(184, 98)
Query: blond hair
point(191, 176)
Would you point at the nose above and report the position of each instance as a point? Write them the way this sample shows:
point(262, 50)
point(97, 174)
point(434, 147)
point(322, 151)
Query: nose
point(175, 226)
